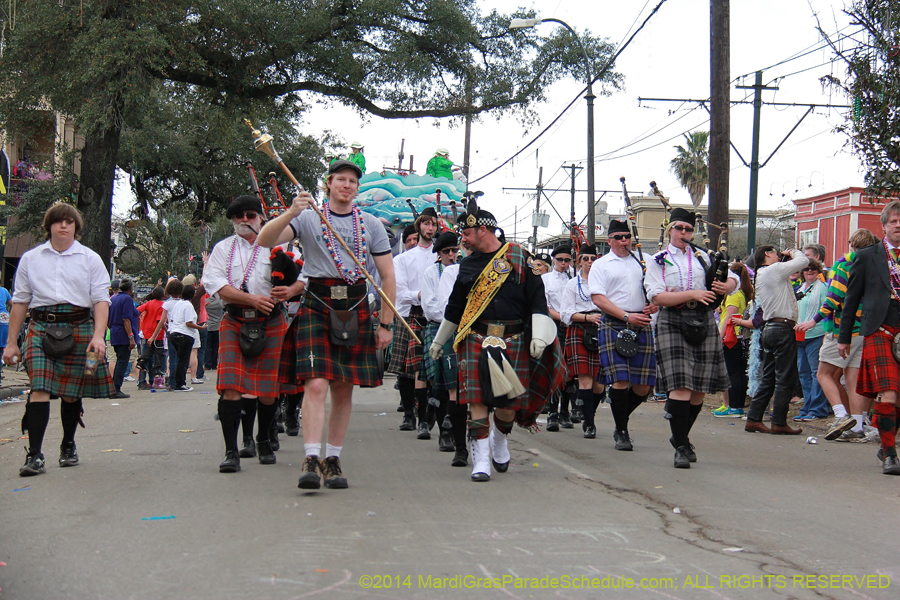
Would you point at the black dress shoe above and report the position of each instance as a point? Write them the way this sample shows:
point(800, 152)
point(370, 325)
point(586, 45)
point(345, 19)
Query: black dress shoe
point(273, 440)
point(681, 459)
point(408, 424)
point(231, 464)
point(424, 433)
point(590, 432)
point(445, 441)
point(688, 450)
point(564, 421)
point(623, 441)
point(461, 458)
point(479, 477)
point(500, 467)
point(577, 415)
point(249, 449)
point(890, 466)
point(400, 408)
point(266, 454)
point(553, 422)
point(292, 427)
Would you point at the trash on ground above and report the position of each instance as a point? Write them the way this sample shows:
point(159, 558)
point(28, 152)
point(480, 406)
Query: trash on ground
point(157, 518)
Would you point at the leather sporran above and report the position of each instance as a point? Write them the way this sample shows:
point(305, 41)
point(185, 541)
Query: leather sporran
point(252, 340)
point(895, 347)
point(694, 330)
point(627, 343)
point(343, 327)
point(590, 338)
point(58, 341)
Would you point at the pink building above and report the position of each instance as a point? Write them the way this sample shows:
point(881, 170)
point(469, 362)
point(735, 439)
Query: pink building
point(830, 218)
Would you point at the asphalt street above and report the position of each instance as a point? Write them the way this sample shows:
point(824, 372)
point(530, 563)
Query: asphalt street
point(147, 515)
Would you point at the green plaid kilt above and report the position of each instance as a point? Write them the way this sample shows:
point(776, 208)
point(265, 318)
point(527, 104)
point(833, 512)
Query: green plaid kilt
point(406, 354)
point(64, 377)
point(318, 358)
point(256, 376)
point(541, 377)
point(287, 367)
point(698, 368)
point(441, 373)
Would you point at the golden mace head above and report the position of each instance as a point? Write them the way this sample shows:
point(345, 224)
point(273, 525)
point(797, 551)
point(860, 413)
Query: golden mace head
point(263, 142)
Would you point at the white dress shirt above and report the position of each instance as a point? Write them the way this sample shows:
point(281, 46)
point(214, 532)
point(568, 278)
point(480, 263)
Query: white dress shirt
point(75, 276)
point(576, 299)
point(774, 292)
point(554, 285)
point(408, 270)
point(619, 279)
point(678, 265)
point(445, 287)
point(433, 303)
point(215, 274)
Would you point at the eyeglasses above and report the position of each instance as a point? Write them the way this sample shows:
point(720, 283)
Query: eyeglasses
point(449, 250)
point(587, 258)
point(249, 214)
point(563, 260)
point(684, 229)
point(622, 236)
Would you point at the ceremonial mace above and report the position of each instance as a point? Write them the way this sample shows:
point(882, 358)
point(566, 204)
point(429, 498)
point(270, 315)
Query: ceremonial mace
point(263, 143)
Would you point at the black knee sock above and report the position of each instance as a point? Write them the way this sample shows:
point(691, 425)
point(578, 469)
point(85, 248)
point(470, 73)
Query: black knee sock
point(421, 396)
point(680, 423)
point(37, 415)
point(70, 415)
point(249, 407)
point(618, 403)
point(634, 400)
point(565, 399)
point(266, 415)
point(230, 418)
point(406, 387)
point(588, 406)
point(440, 411)
point(695, 412)
point(458, 419)
point(293, 403)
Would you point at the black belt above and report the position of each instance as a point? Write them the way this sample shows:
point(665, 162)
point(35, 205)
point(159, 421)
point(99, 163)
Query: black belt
point(247, 313)
point(337, 292)
point(782, 320)
point(690, 305)
point(499, 329)
point(47, 316)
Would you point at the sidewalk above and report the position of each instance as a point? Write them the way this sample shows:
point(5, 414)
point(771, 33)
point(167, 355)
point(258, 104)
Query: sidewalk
point(13, 384)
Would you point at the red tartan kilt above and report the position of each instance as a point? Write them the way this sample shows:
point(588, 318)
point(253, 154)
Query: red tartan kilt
point(257, 376)
point(879, 371)
point(579, 359)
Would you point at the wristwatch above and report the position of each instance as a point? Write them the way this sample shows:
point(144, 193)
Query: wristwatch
point(389, 327)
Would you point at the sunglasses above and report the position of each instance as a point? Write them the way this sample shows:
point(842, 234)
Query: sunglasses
point(588, 258)
point(450, 251)
point(564, 260)
point(683, 229)
point(810, 269)
point(249, 214)
point(622, 236)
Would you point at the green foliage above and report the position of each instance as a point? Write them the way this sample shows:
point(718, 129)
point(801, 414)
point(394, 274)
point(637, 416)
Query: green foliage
point(691, 165)
point(872, 85)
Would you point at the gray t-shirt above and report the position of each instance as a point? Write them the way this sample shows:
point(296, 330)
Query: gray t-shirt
point(214, 311)
point(317, 259)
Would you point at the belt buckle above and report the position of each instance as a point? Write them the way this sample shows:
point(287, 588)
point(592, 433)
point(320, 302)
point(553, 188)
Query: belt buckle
point(339, 292)
point(690, 304)
point(249, 313)
point(50, 318)
point(496, 330)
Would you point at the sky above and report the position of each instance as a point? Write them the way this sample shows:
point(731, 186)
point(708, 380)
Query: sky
point(669, 58)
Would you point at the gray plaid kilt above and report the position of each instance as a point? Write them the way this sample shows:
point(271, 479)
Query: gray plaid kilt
point(441, 373)
point(639, 369)
point(64, 377)
point(681, 365)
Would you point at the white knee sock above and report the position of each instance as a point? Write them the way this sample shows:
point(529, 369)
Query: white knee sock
point(312, 449)
point(332, 451)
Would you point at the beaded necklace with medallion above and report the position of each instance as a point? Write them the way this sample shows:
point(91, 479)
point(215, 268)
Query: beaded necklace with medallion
point(359, 230)
point(243, 285)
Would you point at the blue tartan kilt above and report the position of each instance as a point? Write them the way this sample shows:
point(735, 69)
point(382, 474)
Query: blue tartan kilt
point(639, 369)
point(441, 373)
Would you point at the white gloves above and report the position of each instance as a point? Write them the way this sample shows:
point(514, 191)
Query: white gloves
point(543, 332)
point(444, 333)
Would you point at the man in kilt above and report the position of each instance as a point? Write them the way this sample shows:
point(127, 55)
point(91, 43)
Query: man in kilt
point(617, 288)
point(61, 281)
point(875, 279)
point(406, 355)
point(688, 347)
point(442, 373)
point(582, 355)
point(496, 297)
point(337, 342)
point(252, 330)
point(555, 283)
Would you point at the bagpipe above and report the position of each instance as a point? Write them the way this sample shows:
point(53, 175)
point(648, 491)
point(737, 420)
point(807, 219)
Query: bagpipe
point(632, 220)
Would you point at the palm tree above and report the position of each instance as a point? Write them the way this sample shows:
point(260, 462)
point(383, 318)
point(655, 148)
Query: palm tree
point(691, 165)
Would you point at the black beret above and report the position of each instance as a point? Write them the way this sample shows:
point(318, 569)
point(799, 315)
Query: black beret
point(680, 214)
point(243, 203)
point(588, 249)
point(340, 165)
point(448, 239)
point(543, 258)
point(617, 227)
point(429, 212)
point(564, 249)
point(407, 231)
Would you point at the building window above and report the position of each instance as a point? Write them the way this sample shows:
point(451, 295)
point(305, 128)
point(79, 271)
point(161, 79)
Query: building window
point(810, 236)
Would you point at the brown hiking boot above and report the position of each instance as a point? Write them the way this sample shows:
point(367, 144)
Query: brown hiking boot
point(331, 470)
point(310, 478)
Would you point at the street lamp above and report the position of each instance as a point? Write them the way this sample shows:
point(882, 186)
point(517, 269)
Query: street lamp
point(589, 96)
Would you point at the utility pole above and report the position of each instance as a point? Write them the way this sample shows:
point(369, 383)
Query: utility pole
point(572, 172)
point(467, 147)
point(719, 113)
point(757, 88)
point(537, 208)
